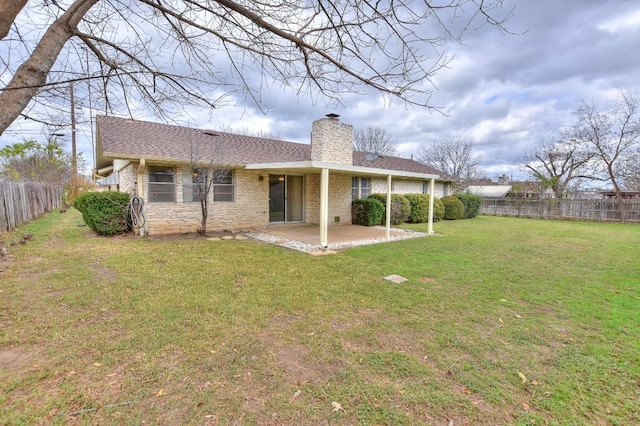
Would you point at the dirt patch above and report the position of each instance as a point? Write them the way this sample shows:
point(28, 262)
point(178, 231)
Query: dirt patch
point(293, 359)
point(13, 358)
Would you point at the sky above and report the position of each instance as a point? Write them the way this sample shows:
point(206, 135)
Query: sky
point(503, 92)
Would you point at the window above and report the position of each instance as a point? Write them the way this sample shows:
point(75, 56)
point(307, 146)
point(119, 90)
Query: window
point(223, 188)
point(162, 184)
point(425, 187)
point(360, 187)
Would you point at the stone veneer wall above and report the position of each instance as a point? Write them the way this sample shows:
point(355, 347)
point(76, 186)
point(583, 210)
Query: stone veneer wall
point(332, 141)
point(129, 179)
point(405, 186)
point(250, 207)
point(339, 198)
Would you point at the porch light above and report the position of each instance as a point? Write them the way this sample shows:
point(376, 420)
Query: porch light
point(281, 178)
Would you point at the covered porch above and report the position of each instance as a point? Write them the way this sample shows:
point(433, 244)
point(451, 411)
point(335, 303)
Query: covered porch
point(320, 234)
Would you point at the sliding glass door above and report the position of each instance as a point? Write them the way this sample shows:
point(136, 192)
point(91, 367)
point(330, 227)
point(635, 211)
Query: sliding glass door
point(286, 198)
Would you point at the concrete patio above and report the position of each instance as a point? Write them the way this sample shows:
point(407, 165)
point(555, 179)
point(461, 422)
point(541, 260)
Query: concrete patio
point(306, 237)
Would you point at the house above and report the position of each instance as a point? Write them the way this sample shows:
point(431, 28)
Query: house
point(263, 181)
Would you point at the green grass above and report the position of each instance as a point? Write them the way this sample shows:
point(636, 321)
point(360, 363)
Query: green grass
point(188, 331)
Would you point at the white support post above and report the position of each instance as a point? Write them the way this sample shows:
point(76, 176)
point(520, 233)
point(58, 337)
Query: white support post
point(324, 207)
point(388, 224)
point(432, 189)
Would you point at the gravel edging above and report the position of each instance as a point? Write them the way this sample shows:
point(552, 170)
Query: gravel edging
point(307, 248)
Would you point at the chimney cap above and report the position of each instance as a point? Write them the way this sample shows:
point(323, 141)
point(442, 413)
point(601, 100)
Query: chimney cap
point(333, 116)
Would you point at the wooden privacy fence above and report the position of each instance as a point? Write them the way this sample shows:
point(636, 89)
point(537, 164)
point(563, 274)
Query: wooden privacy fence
point(602, 210)
point(21, 202)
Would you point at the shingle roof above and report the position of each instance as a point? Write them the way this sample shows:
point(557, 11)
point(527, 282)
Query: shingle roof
point(125, 138)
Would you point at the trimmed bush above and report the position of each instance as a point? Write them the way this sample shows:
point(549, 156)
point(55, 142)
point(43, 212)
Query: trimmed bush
point(419, 207)
point(104, 212)
point(453, 208)
point(438, 209)
point(400, 207)
point(367, 212)
point(471, 203)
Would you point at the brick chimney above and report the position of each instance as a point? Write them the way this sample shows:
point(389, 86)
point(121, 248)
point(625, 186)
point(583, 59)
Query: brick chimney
point(332, 141)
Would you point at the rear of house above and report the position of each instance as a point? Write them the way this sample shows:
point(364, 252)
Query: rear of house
point(258, 181)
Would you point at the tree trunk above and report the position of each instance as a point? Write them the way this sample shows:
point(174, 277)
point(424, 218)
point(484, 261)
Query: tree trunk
point(32, 74)
point(9, 9)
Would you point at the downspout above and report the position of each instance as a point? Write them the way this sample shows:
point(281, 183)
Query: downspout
point(141, 168)
point(388, 224)
point(432, 189)
point(324, 207)
point(144, 230)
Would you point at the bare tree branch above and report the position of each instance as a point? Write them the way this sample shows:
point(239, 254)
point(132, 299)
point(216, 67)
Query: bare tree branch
point(374, 139)
point(453, 156)
point(167, 55)
point(612, 133)
point(557, 163)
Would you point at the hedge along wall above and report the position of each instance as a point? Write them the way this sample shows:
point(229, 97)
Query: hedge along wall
point(21, 202)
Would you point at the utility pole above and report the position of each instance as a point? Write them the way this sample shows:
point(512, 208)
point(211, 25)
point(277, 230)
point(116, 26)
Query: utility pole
point(74, 159)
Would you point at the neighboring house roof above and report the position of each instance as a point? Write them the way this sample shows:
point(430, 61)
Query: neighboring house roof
point(133, 139)
point(489, 190)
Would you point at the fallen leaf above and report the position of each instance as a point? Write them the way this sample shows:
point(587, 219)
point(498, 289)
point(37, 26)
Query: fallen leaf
point(160, 392)
point(523, 378)
point(295, 395)
point(96, 364)
point(500, 319)
point(503, 300)
point(525, 406)
point(534, 382)
point(336, 406)
point(518, 316)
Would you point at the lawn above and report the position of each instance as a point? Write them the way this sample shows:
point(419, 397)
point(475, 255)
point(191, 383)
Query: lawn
point(501, 321)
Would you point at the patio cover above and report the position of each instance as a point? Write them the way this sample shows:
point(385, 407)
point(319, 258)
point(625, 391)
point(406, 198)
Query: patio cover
point(325, 168)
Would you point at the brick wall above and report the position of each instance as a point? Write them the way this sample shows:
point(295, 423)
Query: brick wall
point(129, 179)
point(339, 198)
point(250, 208)
point(405, 186)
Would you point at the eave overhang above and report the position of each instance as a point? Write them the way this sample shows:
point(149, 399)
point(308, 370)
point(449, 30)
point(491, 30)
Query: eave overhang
point(316, 166)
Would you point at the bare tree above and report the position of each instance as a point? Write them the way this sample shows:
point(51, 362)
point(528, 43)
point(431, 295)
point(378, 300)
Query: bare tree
point(454, 156)
point(612, 133)
point(559, 162)
point(248, 132)
point(374, 139)
point(206, 171)
point(167, 55)
point(630, 171)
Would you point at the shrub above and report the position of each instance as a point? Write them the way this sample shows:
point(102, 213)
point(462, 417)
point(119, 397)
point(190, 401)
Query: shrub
point(400, 207)
point(453, 208)
point(419, 208)
point(104, 212)
point(471, 203)
point(438, 209)
point(367, 212)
